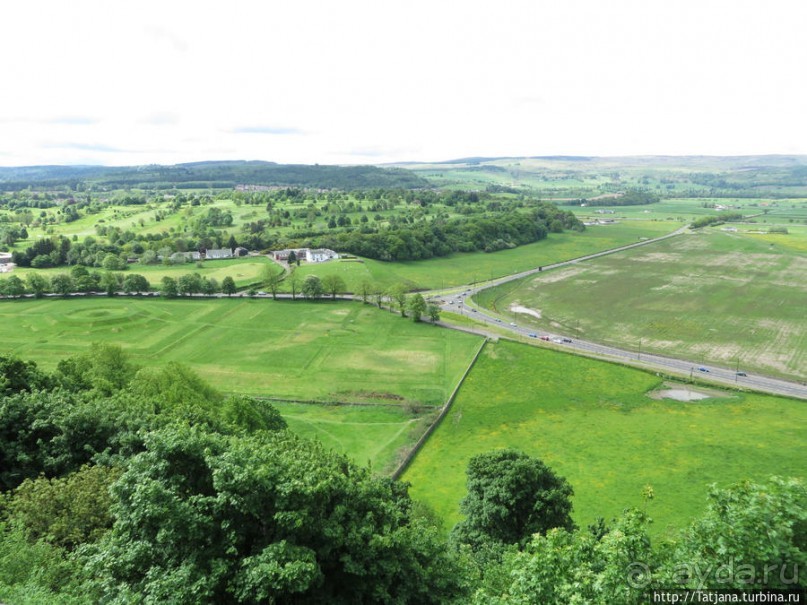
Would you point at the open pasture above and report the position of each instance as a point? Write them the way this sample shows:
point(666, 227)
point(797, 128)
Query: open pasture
point(713, 297)
point(593, 423)
point(295, 350)
point(368, 434)
point(458, 269)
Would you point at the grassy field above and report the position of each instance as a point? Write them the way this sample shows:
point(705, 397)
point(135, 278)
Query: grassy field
point(717, 297)
point(460, 269)
point(368, 434)
point(593, 423)
point(296, 350)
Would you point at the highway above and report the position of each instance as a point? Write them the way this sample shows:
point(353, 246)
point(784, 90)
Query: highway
point(457, 302)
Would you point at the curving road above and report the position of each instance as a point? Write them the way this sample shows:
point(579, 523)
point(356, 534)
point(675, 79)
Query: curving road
point(458, 302)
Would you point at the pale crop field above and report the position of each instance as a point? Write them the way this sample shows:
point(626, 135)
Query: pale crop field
point(712, 297)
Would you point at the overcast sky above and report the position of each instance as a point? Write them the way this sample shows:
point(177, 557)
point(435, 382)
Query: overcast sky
point(351, 81)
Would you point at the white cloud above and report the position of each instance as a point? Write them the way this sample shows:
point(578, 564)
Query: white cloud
point(358, 80)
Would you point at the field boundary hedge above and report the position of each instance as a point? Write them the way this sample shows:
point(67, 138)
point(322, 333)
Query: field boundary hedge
point(446, 407)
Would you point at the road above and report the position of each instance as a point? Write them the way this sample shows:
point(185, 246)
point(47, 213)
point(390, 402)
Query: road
point(686, 368)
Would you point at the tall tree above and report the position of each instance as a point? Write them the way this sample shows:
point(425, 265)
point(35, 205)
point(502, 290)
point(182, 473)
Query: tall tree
point(312, 287)
point(333, 284)
point(511, 496)
point(169, 287)
point(397, 294)
point(417, 307)
point(266, 519)
point(294, 284)
point(37, 284)
point(228, 286)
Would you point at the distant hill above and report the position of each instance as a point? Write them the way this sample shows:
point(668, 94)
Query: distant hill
point(212, 174)
point(569, 178)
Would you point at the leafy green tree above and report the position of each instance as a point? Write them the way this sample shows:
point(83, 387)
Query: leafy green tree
point(110, 283)
point(18, 375)
point(135, 282)
point(511, 496)
point(37, 572)
point(753, 527)
point(228, 286)
point(37, 284)
point(251, 414)
point(417, 307)
point(365, 290)
point(67, 511)
point(271, 279)
point(294, 284)
point(265, 519)
point(176, 389)
point(333, 284)
point(169, 287)
point(113, 262)
point(397, 294)
point(14, 287)
point(210, 286)
point(292, 258)
point(563, 566)
point(104, 369)
point(55, 432)
point(312, 287)
point(189, 284)
point(149, 257)
point(433, 311)
point(62, 283)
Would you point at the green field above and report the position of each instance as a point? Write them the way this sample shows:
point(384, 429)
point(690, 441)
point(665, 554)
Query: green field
point(458, 269)
point(593, 423)
point(296, 350)
point(717, 297)
point(369, 434)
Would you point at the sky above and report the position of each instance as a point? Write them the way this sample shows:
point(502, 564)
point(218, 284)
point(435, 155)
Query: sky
point(120, 82)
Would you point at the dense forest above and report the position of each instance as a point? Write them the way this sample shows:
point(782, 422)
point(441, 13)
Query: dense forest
point(489, 233)
point(123, 484)
point(216, 175)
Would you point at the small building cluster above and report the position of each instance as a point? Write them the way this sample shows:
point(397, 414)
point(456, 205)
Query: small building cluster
point(217, 253)
point(310, 255)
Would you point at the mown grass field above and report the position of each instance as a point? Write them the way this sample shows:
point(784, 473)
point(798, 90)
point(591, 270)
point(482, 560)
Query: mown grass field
point(369, 434)
point(458, 269)
point(295, 350)
point(592, 422)
point(724, 298)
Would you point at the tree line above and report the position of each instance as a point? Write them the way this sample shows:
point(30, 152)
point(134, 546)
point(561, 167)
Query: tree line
point(461, 234)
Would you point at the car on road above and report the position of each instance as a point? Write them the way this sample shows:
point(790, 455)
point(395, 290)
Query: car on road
point(532, 335)
point(546, 338)
point(566, 340)
point(498, 320)
point(741, 374)
point(702, 369)
point(512, 323)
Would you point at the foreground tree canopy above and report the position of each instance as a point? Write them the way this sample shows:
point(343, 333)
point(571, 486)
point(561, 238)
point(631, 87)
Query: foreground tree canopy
point(145, 485)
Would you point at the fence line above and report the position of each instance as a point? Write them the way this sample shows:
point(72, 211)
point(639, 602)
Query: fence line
point(446, 407)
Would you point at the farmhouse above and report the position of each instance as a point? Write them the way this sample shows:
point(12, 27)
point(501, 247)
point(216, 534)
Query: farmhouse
point(310, 255)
